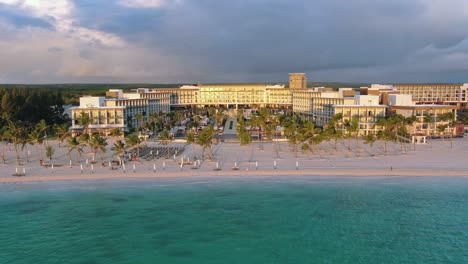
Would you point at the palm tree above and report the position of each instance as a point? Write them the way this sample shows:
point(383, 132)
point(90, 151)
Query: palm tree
point(352, 127)
point(316, 139)
point(43, 127)
point(133, 140)
point(3, 136)
point(115, 132)
point(61, 131)
point(49, 152)
point(386, 134)
point(98, 143)
point(84, 139)
point(139, 118)
point(84, 120)
point(245, 138)
point(190, 138)
point(15, 133)
point(334, 129)
point(36, 138)
point(297, 134)
point(256, 124)
point(119, 150)
point(205, 139)
point(74, 145)
point(24, 144)
point(370, 139)
point(165, 137)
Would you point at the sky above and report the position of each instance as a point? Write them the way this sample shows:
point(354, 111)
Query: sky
point(206, 41)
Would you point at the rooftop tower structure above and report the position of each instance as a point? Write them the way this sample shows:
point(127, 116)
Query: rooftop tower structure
point(297, 81)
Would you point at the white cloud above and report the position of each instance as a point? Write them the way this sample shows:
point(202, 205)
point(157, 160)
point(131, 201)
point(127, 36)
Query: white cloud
point(60, 14)
point(145, 3)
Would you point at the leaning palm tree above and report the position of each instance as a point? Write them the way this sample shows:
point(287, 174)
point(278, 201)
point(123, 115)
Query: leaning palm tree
point(43, 127)
point(119, 150)
point(134, 141)
point(84, 139)
point(61, 131)
point(98, 143)
point(74, 145)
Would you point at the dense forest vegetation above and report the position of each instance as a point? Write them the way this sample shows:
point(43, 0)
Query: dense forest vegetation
point(29, 106)
point(72, 92)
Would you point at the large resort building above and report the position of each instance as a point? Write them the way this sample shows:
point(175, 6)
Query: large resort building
point(120, 109)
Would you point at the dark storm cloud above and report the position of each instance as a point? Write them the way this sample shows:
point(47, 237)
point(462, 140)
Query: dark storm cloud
point(264, 40)
point(277, 36)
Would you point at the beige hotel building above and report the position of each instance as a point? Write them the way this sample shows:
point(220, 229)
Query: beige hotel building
point(118, 109)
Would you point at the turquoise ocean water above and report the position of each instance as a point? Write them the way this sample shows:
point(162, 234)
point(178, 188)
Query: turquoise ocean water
point(236, 220)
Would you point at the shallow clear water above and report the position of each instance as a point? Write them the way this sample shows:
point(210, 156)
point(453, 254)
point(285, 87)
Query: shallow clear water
point(255, 220)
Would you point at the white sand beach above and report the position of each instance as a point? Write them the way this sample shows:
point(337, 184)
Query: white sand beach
point(437, 158)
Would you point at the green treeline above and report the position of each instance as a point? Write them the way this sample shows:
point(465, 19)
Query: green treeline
point(72, 92)
point(29, 106)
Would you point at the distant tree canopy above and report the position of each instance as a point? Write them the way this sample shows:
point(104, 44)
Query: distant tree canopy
point(31, 105)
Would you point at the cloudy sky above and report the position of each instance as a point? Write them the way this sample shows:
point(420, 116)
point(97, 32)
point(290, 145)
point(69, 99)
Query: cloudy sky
point(190, 41)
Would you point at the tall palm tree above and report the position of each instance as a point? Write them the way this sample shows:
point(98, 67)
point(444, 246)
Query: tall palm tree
point(165, 137)
point(352, 128)
point(139, 118)
point(15, 133)
point(36, 138)
point(3, 136)
point(24, 143)
point(386, 134)
point(190, 139)
point(84, 120)
point(119, 148)
point(134, 141)
point(334, 129)
point(298, 133)
point(316, 139)
point(205, 140)
point(98, 143)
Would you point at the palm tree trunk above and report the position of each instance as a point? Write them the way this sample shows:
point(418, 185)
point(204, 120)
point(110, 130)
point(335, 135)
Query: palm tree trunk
point(138, 152)
point(39, 152)
point(17, 153)
point(27, 153)
point(211, 152)
point(3, 152)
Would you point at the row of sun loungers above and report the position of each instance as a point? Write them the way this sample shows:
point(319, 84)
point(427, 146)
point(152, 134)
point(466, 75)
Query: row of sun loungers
point(156, 152)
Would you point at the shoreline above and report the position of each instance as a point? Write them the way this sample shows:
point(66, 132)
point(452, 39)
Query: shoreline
point(242, 174)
